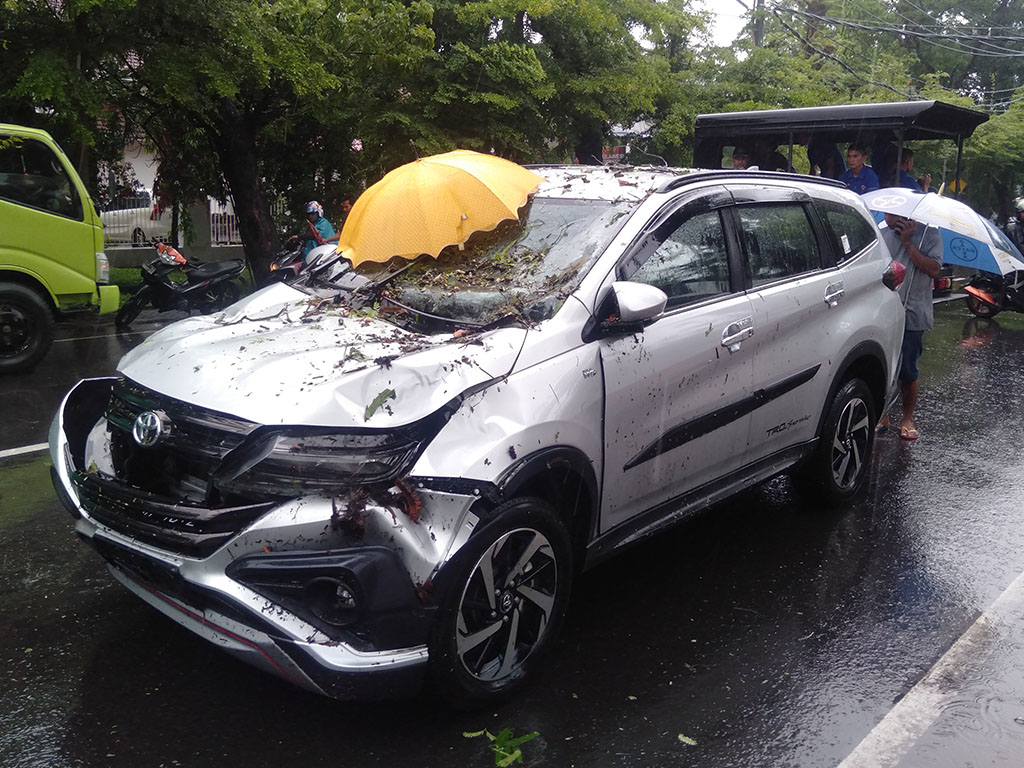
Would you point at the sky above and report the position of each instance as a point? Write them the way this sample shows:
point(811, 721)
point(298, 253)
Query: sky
point(728, 16)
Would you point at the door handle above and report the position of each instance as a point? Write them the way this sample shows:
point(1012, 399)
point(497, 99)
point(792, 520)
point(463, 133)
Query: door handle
point(834, 292)
point(736, 332)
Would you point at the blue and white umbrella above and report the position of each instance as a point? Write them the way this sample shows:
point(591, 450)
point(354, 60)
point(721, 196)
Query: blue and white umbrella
point(968, 238)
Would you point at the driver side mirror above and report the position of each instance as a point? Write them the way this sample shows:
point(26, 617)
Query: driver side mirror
point(626, 308)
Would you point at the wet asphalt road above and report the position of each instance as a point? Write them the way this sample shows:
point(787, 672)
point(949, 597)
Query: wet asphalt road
point(767, 632)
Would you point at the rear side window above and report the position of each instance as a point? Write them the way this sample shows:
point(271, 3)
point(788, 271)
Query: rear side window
point(690, 265)
point(779, 240)
point(32, 175)
point(849, 232)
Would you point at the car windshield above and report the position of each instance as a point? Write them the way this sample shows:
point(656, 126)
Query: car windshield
point(521, 271)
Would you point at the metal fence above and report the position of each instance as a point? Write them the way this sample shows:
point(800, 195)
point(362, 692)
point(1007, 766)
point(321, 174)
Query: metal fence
point(224, 224)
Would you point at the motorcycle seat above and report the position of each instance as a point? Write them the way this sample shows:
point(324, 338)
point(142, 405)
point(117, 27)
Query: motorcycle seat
point(215, 269)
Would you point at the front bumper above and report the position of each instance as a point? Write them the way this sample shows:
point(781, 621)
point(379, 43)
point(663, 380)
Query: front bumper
point(248, 622)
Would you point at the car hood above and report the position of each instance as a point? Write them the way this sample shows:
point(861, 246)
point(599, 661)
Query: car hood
point(282, 357)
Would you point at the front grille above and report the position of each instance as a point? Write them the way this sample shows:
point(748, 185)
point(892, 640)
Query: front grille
point(182, 528)
point(180, 465)
point(161, 495)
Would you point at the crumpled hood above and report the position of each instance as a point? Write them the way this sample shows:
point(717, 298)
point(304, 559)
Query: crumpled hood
point(282, 357)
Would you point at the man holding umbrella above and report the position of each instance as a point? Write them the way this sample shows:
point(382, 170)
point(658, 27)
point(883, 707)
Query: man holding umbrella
point(918, 248)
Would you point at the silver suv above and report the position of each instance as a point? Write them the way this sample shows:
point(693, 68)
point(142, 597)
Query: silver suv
point(379, 476)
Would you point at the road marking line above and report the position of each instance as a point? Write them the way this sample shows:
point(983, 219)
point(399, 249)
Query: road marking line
point(86, 338)
point(893, 737)
point(24, 449)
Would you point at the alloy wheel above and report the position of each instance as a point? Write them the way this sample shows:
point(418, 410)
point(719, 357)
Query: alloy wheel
point(850, 443)
point(506, 606)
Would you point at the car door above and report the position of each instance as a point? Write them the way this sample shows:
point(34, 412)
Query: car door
point(675, 392)
point(797, 298)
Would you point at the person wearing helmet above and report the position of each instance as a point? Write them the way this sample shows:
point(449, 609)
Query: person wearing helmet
point(320, 229)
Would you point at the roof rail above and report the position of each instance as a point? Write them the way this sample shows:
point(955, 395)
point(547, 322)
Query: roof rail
point(692, 178)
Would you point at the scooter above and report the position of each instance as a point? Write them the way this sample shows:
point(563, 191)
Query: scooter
point(205, 287)
point(286, 265)
point(989, 294)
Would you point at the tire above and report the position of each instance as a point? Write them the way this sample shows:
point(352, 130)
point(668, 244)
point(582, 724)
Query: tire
point(226, 294)
point(980, 308)
point(131, 309)
point(139, 237)
point(26, 327)
point(836, 470)
point(484, 596)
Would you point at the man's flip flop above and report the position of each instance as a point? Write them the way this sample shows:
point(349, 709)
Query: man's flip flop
point(909, 433)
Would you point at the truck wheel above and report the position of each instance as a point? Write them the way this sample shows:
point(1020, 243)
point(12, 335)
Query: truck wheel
point(504, 595)
point(26, 327)
point(837, 469)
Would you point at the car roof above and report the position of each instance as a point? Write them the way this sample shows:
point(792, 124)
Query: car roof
point(614, 183)
point(623, 183)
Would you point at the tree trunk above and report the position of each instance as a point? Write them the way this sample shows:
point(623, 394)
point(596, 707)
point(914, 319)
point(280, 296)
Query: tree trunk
point(236, 148)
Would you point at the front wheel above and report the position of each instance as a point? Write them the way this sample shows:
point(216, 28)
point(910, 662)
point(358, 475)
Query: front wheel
point(840, 462)
point(504, 596)
point(131, 309)
point(980, 308)
point(26, 327)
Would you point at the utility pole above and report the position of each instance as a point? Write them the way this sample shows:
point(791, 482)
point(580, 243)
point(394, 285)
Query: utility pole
point(758, 24)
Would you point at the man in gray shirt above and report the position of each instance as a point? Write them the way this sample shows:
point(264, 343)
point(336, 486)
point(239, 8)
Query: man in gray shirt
point(919, 249)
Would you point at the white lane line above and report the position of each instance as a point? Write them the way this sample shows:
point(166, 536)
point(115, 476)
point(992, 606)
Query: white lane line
point(24, 449)
point(896, 734)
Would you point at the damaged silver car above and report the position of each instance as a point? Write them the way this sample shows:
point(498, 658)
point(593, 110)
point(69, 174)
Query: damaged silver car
point(387, 475)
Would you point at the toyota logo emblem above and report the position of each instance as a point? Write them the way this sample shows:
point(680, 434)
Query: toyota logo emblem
point(149, 428)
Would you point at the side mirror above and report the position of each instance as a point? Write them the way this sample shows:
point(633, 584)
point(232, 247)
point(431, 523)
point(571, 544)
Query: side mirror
point(626, 308)
point(638, 302)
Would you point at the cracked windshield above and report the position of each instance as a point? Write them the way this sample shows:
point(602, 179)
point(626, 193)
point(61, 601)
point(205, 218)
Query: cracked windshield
point(519, 272)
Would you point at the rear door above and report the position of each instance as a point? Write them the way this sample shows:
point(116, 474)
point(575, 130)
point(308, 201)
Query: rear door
point(676, 393)
point(797, 297)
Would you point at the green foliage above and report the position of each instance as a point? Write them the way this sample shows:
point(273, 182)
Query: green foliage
point(505, 745)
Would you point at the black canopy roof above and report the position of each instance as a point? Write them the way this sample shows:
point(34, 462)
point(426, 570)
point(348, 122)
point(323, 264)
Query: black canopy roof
point(918, 119)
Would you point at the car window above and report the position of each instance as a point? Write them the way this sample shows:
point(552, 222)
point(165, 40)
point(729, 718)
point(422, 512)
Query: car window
point(31, 174)
point(691, 264)
point(780, 241)
point(849, 231)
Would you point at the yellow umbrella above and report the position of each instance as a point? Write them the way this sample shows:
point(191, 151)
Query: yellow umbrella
point(429, 204)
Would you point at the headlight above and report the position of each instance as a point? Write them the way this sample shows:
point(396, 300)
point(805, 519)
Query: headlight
point(297, 464)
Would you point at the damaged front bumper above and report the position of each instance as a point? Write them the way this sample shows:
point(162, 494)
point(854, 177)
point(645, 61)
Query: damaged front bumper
point(337, 608)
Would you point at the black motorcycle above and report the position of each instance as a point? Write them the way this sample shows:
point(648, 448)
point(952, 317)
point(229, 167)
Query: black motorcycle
point(204, 287)
point(989, 294)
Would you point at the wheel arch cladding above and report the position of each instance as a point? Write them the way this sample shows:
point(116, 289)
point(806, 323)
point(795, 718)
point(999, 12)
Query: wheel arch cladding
point(866, 361)
point(564, 478)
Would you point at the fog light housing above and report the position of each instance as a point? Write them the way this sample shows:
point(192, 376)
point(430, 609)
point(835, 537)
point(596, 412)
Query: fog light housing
point(333, 600)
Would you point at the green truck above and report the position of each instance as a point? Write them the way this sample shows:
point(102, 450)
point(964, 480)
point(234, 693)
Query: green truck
point(51, 246)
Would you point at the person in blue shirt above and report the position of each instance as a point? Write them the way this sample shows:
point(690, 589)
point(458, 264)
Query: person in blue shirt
point(906, 165)
point(858, 177)
point(320, 229)
point(823, 156)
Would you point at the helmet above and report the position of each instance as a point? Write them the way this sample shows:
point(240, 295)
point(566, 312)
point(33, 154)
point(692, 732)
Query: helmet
point(314, 207)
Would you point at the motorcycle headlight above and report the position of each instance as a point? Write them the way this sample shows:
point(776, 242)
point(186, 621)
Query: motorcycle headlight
point(293, 464)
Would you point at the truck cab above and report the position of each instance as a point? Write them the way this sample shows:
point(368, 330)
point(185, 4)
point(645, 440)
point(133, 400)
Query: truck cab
point(51, 246)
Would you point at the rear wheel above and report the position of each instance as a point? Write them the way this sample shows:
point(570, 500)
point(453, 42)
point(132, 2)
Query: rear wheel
point(840, 462)
point(26, 327)
point(226, 295)
point(981, 308)
point(131, 309)
point(504, 596)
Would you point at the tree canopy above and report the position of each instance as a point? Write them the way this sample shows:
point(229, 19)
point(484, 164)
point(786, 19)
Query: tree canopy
point(295, 99)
